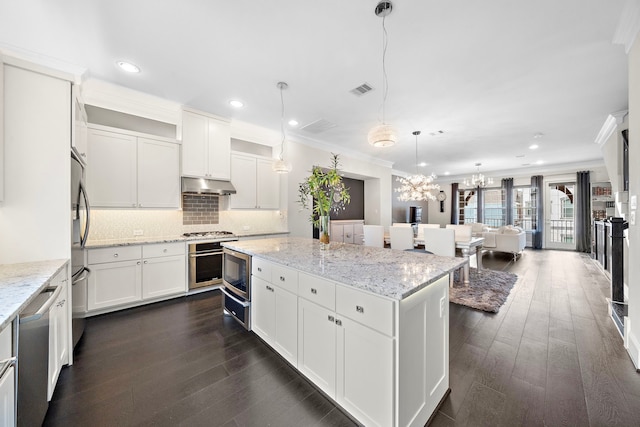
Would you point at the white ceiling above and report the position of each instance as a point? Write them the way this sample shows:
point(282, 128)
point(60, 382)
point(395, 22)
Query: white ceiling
point(489, 74)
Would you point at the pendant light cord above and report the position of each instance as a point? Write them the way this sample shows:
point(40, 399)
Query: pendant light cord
point(385, 85)
point(282, 124)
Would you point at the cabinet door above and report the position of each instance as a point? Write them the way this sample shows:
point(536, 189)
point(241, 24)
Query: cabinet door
point(111, 179)
point(317, 345)
point(114, 283)
point(195, 140)
point(365, 382)
point(243, 177)
point(263, 302)
point(267, 185)
point(7, 398)
point(337, 233)
point(58, 338)
point(286, 319)
point(158, 174)
point(163, 276)
point(219, 150)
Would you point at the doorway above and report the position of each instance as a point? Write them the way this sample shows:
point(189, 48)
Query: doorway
point(560, 219)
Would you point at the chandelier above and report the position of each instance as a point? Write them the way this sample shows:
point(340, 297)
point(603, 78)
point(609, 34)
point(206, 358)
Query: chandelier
point(383, 135)
point(477, 179)
point(280, 165)
point(417, 187)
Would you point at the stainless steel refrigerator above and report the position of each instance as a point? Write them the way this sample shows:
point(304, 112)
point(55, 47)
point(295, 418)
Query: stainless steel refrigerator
point(80, 214)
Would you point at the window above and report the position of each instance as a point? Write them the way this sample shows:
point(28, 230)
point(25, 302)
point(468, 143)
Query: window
point(494, 212)
point(468, 203)
point(524, 208)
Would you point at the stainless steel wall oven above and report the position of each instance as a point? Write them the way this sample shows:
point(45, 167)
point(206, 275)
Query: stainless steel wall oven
point(237, 286)
point(205, 258)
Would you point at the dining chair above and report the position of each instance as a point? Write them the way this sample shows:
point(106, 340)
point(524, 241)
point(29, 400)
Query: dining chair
point(401, 224)
point(421, 228)
point(374, 235)
point(462, 231)
point(401, 237)
point(441, 241)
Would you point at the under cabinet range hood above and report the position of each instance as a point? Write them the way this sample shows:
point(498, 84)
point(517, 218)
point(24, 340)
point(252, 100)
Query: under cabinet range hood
point(207, 186)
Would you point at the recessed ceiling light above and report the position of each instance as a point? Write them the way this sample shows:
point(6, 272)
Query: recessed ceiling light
point(533, 146)
point(293, 122)
point(128, 67)
point(423, 164)
point(236, 104)
point(539, 162)
point(446, 173)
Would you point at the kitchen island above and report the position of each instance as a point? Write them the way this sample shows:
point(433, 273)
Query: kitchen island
point(368, 326)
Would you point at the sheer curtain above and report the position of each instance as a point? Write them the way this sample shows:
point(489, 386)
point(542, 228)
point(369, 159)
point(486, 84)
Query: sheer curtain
point(538, 223)
point(583, 211)
point(507, 187)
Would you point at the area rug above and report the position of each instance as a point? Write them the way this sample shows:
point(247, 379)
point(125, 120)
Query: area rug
point(487, 290)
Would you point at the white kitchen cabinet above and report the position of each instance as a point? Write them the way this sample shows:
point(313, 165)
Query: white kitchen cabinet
point(348, 231)
point(263, 304)
point(79, 129)
point(132, 171)
point(59, 318)
point(7, 380)
point(125, 276)
point(257, 185)
point(1, 130)
point(206, 146)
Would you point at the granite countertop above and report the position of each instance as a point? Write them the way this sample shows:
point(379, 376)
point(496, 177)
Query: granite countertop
point(387, 272)
point(92, 244)
point(20, 283)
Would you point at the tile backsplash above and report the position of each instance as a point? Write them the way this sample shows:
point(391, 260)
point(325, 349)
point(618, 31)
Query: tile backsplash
point(107, 224)
point(200, 209)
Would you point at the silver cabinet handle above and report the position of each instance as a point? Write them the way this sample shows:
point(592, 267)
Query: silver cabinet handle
point(314, 291)
point(260, 269)
point(146, 262)
point(164, 250)
point(359, 309)
point(338, 322)
point(269, 288)
point(138, 263)
point(115, 255)
point(281, 278)
point(331, 318)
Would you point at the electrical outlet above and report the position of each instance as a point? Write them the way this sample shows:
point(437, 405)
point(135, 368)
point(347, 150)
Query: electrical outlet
point(138, 232)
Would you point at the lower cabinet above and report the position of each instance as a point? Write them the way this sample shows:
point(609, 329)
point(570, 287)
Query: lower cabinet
point(59, 318)
point(7, 379)
point(128, 275)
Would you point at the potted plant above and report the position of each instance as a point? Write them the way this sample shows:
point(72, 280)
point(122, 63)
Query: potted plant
point(329, 193)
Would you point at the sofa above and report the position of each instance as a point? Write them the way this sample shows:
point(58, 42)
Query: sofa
point(508, 239)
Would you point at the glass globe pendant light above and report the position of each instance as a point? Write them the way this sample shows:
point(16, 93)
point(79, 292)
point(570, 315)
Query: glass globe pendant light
point(280, 165)
point(418, 188)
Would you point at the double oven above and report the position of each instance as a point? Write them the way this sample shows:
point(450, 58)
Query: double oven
point(205, 258)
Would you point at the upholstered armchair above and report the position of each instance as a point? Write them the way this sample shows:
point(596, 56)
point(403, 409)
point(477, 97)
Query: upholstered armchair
point(508, 239)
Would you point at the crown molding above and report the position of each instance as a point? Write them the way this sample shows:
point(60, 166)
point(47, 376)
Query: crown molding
point(43, 64)
point(609, 126)
point(628, 25)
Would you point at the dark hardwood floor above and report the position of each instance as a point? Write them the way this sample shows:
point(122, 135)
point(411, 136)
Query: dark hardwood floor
point(551, 357)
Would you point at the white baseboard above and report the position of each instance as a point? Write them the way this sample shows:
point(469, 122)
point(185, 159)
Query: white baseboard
point(632, 344)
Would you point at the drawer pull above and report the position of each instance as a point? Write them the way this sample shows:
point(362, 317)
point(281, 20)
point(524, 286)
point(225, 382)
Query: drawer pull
point(359, 309)
point(282, 278)
point(338, 322)
point(115, 255)
point(146, 262)
point(164, 250)
point(331, 318)
point(314, 291)
point(260, 269)
point(138, 263)
point(269, 288)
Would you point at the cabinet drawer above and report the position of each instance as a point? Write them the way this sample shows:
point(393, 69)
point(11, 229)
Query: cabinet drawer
point(163, 249)
point(318, 290)
point(118, 253)
point(284, 277)
point(261, 268)
point(367, 309)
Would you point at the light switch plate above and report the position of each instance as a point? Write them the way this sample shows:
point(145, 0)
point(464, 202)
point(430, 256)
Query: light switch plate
point(632, 218)
point(138, 232)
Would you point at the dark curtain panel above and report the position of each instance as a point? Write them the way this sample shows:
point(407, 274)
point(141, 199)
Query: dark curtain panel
point(480, 204)
point(507, 187)
point(455, 200)
point(538, 223)
point(583, 211)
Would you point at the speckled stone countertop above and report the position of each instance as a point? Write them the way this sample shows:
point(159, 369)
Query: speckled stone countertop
point(387, 272)
point(20, 283)
point(92, 244)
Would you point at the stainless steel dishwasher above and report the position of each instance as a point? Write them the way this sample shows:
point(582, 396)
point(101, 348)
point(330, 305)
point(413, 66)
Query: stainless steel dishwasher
point(33, 358)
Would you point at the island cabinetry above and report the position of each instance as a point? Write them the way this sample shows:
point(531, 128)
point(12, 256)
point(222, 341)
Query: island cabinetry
point(275, 306)
point(132, 171)
point(59, 317)
point(257, 184)
point(7, 378)
point(124, 276)
point(206, 146)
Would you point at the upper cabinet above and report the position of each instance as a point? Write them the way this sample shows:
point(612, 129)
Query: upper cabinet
point(206, 146)
point(79, 128)
point(132, 171)
point(257, 185)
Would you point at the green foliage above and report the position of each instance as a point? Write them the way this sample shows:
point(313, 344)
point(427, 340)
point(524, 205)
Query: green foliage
point(327, 188)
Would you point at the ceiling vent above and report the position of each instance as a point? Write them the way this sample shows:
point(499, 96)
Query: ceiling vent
point(319, 126)
point(362, 89)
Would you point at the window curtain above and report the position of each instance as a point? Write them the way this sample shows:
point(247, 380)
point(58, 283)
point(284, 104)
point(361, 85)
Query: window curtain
point(480, 205)
point(583, 211)
point(537, 225)
point(455, 201)
point(507, 187)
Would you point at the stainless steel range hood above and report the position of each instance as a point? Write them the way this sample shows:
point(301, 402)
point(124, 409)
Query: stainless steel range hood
point(207, 186)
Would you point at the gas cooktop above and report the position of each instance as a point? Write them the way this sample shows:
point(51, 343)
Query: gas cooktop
point(210, 234)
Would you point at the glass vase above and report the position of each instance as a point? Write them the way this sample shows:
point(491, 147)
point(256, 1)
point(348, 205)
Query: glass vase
point(324, 232)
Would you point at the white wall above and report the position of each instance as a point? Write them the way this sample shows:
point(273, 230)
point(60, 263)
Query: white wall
point(634, 190)
point(35, 217)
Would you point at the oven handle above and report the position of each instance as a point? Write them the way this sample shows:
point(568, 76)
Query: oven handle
point(205, 254)
point(242, 303)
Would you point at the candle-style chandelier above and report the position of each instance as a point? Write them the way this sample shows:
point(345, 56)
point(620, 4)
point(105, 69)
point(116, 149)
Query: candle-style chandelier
point(478, 179)
point(417, 187)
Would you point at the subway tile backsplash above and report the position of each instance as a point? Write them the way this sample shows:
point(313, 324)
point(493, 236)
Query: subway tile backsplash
point(200, 209)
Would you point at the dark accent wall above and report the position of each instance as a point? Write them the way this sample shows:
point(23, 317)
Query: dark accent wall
point(355, 209)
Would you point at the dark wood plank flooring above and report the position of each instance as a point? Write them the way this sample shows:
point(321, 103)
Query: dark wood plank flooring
point(551, 356)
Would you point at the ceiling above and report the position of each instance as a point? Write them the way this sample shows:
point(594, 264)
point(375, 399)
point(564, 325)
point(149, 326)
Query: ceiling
point(490, 75)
